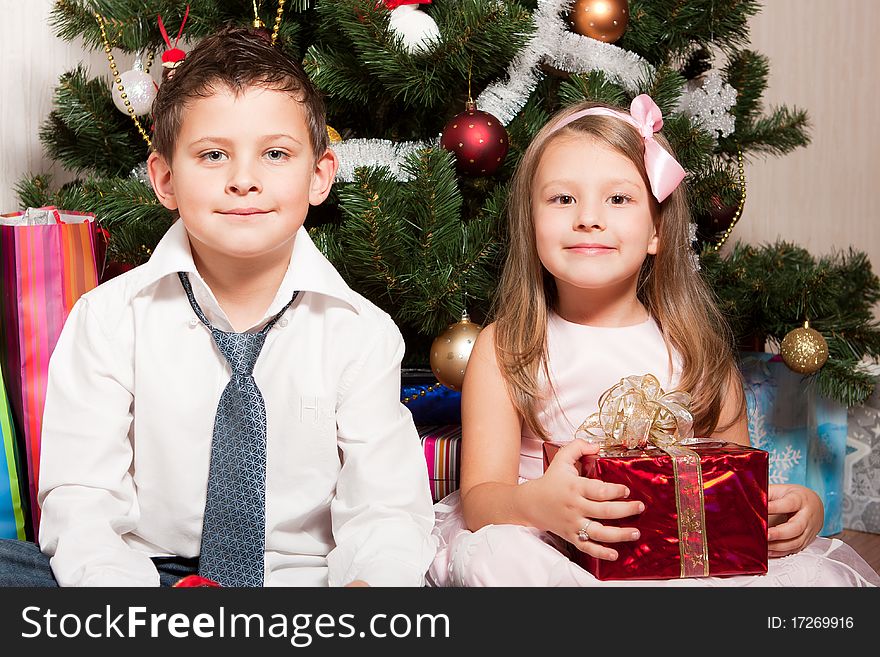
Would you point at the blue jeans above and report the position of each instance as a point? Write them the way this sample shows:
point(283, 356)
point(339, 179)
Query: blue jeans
point(22, 564)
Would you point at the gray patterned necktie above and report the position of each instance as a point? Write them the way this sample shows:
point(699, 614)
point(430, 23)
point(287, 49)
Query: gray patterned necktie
point(234, 528)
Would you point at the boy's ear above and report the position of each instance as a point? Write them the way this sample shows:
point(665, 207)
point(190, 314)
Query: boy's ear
point(323, 177)
point(160, 178)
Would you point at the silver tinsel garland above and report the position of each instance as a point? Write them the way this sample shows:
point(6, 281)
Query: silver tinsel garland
point(354, 153)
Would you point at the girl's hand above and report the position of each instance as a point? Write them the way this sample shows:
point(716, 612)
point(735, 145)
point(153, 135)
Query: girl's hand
point(799, 518)
point(566, 502)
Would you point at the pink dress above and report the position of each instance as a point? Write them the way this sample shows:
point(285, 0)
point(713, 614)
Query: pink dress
point(584, 362)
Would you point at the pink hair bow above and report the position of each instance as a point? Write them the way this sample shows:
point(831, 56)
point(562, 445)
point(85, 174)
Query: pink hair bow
point(664, 171)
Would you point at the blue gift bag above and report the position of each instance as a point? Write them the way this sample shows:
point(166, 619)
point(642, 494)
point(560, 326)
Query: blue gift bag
point(803, 431)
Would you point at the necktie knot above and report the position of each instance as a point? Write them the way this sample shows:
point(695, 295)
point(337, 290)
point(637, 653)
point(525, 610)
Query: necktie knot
point(241, 350)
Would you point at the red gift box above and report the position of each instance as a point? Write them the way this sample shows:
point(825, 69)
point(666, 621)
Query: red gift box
point(734, 481)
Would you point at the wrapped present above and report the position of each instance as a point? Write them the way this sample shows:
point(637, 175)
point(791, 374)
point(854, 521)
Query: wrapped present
point(705, 502)
point(442, 447)
point(429, 401)
point(861, 489)
point(804, 432)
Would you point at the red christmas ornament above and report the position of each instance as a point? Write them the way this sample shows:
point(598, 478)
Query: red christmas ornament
point(394, 4)
point(172, 57)
point(478, 141)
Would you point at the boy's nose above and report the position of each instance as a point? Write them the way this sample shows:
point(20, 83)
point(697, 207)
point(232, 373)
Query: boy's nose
point(243, 181)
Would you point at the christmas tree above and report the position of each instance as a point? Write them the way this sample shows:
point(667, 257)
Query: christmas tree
point(416, 218)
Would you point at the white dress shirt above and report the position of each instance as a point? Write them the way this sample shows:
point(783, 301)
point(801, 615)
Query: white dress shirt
point(134, 383)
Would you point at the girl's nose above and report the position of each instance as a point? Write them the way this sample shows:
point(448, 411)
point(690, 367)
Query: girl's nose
point(589, 219)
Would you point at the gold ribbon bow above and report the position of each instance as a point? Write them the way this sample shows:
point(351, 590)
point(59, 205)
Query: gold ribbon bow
point(637, 412)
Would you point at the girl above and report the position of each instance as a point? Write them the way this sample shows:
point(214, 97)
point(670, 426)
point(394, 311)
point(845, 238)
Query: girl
point(599, 284)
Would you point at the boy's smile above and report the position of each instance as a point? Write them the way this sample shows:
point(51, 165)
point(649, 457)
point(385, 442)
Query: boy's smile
point(243, 173)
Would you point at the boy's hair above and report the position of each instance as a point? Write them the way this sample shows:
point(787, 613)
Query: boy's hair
point(237, 58)
point(672, 291)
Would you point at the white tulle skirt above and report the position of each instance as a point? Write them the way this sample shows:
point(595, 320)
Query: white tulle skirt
point(513, 555)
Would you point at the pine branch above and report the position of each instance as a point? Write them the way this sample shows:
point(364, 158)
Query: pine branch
point(747, 72)
point(842, 381)
point(666, 31)
point(86, 132)
point(780, 133)
point(129, 210)
point(592, 86)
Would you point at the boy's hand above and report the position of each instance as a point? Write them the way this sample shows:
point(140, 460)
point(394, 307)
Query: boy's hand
point(566, 502)
point(799, 516)
point(356, 583)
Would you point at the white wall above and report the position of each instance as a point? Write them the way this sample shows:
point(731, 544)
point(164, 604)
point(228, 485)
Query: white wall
point(31, 59)
point(824, 197)
point(822, 59)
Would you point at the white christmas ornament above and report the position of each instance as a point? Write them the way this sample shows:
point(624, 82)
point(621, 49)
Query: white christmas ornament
point(418, 30)
point(139, 90)
point(708, 102)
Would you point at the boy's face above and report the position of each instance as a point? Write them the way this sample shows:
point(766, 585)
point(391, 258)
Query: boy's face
point(243, 173)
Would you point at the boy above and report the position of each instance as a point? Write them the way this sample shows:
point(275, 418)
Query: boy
point(236, 350)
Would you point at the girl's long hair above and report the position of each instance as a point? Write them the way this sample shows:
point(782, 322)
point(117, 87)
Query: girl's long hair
point(669, 287)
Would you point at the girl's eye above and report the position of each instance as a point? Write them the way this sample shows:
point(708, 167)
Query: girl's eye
point(276, 155)
point(214, 156)
point(620, 199)
point(563, 199)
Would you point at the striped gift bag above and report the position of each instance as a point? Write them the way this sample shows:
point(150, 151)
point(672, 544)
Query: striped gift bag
point(48, 259)
point(442, 447)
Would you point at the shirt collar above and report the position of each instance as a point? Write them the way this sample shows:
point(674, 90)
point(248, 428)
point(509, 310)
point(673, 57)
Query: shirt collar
point(308, 271)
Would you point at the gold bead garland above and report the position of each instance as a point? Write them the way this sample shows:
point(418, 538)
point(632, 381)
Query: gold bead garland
point(118, 80)
point(277, 21)
point(742, 201)
point(257, 23)
point(422, 393)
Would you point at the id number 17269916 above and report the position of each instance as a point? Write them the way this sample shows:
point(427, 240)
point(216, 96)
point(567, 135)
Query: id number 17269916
point(810, 623)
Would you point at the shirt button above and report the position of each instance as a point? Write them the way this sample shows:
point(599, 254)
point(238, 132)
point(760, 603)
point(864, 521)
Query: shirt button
point(282, 322)
point(193, 323)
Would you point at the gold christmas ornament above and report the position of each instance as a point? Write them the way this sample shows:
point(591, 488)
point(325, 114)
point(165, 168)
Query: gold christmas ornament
point(605, 20)
point(804, 350)
point(334, 136)
point(451, 350)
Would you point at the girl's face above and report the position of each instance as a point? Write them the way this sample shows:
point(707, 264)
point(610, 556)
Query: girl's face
point(592, 217)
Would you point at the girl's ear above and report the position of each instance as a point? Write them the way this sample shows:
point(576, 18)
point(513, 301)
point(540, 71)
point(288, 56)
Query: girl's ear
point(653, 243)
point(323, 177)
point(161, 179)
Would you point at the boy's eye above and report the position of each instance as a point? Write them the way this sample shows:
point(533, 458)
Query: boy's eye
point(562, 199)
point(619, 199)
point(214, 156)
point(276, 155)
